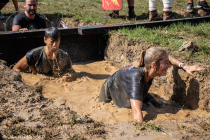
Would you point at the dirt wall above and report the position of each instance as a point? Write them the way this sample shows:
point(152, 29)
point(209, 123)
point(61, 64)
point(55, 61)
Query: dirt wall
point(189, 92)
point(26, 114)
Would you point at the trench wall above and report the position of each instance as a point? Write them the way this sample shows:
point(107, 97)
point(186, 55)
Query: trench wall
point(80, 48)
point(189, 92)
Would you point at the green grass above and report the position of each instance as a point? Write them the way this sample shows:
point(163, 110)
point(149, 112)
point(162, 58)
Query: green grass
point(73, 120)
point(148, 126)
point(188, 129)
point(90, 11)
point(172, 36)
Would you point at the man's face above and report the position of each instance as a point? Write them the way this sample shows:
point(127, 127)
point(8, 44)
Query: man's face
point(30, 6)
point(52, 45)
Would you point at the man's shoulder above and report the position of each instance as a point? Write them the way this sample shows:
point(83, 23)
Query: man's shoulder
point(39, 17)
point(35, 51)
point(20, 16)
point(38, 48)
point(64, 53)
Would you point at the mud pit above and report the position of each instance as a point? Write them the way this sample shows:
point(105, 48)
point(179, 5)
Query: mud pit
point(24, 109)
point(47, 106)
point(82, 94)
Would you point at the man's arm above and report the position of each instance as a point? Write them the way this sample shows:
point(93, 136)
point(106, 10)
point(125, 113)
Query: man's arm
point(16, 27)
point(70, 76)
point(69, 73)
point(136, 106)
point(15, 2)
point(21, 64)
point(187, 68)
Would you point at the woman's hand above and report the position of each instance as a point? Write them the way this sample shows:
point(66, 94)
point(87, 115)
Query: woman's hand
point(187, 68)
point(190, 69)
point(136, 106)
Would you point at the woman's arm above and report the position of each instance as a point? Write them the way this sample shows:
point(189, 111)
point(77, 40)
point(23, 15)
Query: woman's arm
point(136, 106)
point(187, 68)
point(177, 63)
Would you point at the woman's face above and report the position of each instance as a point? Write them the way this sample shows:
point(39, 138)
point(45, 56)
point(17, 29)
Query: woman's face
point(164, 65)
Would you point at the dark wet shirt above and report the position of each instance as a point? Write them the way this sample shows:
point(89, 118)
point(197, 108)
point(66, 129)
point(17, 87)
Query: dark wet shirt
point(23, 21)
point(37, 58)
point(128, 83)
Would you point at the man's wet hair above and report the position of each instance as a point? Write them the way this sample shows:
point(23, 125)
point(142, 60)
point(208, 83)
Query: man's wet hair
point(53, 33)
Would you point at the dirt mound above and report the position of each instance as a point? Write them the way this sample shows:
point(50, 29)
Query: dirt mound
point(25, 113)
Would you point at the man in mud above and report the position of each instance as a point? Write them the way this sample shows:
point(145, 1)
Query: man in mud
point(29, 19)
point(48, 59)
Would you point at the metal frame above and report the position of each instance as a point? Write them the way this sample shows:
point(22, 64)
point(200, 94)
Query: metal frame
point(100, 29)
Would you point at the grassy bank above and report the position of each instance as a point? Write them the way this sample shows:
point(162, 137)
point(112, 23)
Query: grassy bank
point(173, 36)
point(90, 11)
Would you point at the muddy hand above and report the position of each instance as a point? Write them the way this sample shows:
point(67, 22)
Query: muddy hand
point(190, 69)
point(33, 70)
point(23, 29)
point(67, 77)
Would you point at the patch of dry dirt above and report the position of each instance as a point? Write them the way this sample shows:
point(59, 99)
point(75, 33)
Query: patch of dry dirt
point(25, 113)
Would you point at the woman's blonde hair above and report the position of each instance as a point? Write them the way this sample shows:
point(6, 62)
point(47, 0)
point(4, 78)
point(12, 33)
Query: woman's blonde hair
point(150, 55)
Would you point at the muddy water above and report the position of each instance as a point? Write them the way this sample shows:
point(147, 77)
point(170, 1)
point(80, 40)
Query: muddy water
point(82, 96)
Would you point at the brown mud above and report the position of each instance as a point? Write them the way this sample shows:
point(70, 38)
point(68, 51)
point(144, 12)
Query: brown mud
point(27, 110)
point(82, 94)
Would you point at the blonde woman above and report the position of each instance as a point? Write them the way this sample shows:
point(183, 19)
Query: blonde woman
point(129, 86)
